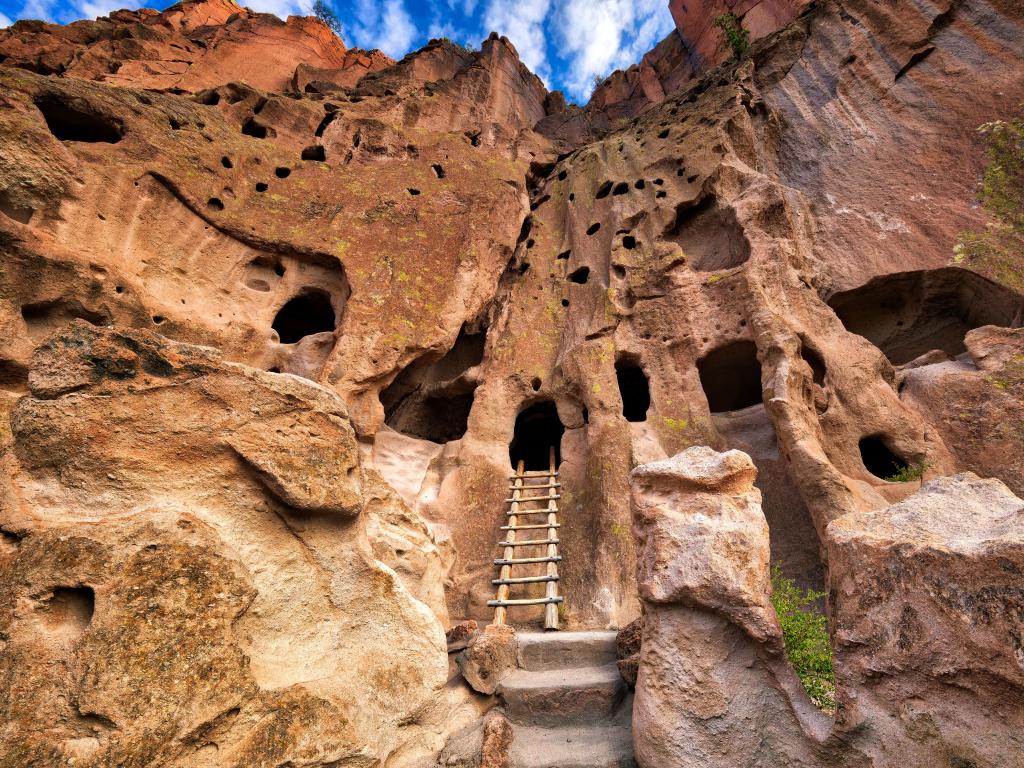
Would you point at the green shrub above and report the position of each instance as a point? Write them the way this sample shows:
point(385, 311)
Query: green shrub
point(995, 251)
point(735, 35)
point(908, 474)
point(805, 632)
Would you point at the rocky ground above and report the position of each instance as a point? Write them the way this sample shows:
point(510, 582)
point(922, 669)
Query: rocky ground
point(278, 316)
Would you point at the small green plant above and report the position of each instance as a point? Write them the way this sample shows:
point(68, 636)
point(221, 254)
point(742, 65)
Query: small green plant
point(325, 12)
point(907, 474)
point(995, 251)
point(805, 632)
point(735, 35)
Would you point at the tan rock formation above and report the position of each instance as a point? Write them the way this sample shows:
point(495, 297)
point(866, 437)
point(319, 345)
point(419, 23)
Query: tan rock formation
point(906, 580)
point(179, 590)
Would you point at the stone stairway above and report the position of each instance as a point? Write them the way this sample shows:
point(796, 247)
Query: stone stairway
point(567, 703)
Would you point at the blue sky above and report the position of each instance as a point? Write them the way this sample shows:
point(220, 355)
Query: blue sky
point(566, 42)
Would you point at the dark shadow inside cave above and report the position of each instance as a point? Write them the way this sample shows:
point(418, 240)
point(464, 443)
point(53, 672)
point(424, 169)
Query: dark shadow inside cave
point(68, 121)
point(878, 458)
point(731, 377)
point(537, 430)
point(431, 399)
point(633, 389)
point(308, 312)
point(910, 313)
point(709, 234)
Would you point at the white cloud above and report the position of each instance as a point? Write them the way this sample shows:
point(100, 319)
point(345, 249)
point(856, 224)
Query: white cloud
point(4, 21)
point(38, 9)
point(385, 25)
point(93, 9)
point(280, 8)
point(599, 36)
point(522, 22)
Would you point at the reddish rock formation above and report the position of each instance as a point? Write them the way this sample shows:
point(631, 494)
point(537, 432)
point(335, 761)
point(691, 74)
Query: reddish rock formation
point(470, 271)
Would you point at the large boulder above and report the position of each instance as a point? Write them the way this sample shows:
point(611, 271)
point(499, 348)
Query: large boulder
point(928, 624)
point(189, 555)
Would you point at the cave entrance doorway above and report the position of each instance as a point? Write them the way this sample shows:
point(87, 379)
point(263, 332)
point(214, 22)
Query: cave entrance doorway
point(307, 313)
point(731, 377)
point(879, 459)
point(633, 389)
point(537, 430)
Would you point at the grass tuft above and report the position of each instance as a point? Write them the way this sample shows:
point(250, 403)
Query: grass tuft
point(805, 632)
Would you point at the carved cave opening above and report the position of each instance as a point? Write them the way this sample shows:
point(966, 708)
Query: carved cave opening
point(309, 312)
point(537, 429)
point(431, 399)
point(709, 234)
point(910, 313)
point(68, 611)
point(68, 121)
point(634, 388)
point(879, 459)
point(731, 377)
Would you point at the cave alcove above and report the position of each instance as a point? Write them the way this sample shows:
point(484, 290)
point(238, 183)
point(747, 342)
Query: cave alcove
point(634, 388)
point(308, 312)
point(537, 429)
point(731, 377)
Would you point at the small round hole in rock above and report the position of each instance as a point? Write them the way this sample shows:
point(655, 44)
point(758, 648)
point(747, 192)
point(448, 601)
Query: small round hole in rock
point(226, 162)
point(261, 186)
point(565, 302)
point(562, 175)
point(158, 319)
point(535, 383)
point(629, 242)
point(603, 191)
point(592, 229)
point(640, 184)
point(580, 276)
point(438, 170)
point(315, 152)
point(215, 204)
point(621, 188)
point(282, 173)
point(412, 191)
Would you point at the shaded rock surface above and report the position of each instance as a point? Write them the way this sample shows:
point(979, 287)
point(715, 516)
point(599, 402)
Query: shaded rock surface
point(906, 580)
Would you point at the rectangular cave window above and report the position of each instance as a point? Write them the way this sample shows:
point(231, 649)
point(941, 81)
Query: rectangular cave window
point(731, 377)
point(633, 389)
point(537, 430)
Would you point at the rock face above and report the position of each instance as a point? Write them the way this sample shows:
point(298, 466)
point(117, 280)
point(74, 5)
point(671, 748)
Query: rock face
point(906, 581)
point(440, 268)
point(183, 586)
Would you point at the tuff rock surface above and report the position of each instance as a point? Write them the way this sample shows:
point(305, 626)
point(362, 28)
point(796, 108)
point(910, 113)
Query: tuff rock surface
point(744, 254)
point(927, 614)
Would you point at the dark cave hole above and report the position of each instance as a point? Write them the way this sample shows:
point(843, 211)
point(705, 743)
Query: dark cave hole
point(661, 193)
point(438, 170)
point(537, 430)
point(305, 314)
point(659, 182)
point(878, 458)
point(261, 186)
point(215, 204)
point(413, 191)
point(535, 383)
point(731, 377)
point(663, 134)
point(814, 360)
point(565, 302)
point(585, 414)
point(580, 276)
point(619, 271)
point(621, 188)
point(69, 609)
point(633, 388)
point(538, 203)
point(640, 184)
point(282, 172)
point(562, 175)
point(431, 399)
point(603, 191)
point(175, 125)
point(593, 228)
point(316, 152)
point(252, 128)
point(226, 162)
point(564, 255)
point(69, 122)
point(709, 234)
point(629, 242)
point(910, 313)
point(572, 196)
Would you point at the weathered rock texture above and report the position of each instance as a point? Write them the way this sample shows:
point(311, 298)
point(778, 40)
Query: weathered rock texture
point(189, 569)
point(754, 256)
point(927, 613)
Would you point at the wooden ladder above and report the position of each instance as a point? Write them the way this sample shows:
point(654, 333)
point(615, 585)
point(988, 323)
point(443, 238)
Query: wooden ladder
point(518, 508)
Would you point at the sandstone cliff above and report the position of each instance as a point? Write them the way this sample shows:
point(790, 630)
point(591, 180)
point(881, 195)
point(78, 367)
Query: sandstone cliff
point(347, 293)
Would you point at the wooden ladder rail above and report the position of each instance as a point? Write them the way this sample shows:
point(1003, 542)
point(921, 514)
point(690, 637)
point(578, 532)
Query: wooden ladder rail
point(501, 611)
point(551, 609)
point(551, 599)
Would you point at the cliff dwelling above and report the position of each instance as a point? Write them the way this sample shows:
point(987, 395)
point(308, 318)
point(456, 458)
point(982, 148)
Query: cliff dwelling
point(512, 385)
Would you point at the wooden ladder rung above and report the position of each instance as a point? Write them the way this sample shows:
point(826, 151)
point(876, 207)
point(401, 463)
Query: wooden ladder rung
point(534, 498)
point(532, 512)
point(528, 601)
point(529, 475)
point(533, 487)
point(527, 543)
point(525, 560)
point(529, 527)
point(525, 580)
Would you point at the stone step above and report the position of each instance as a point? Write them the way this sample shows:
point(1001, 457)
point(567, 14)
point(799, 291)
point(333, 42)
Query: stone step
point(600, 746)
point(559, 650)
point(562, 696)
